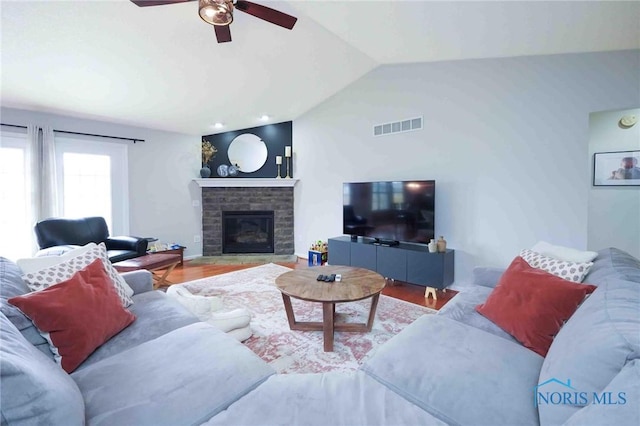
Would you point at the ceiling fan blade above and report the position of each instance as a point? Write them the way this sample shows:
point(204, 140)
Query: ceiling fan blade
point(223, 33)
point(267, 14)
point(144, 3)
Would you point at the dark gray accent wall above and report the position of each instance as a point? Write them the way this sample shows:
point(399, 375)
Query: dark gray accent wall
point(217, 200)
point(275, 136)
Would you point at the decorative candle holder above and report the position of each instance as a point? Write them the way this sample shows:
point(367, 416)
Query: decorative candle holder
point(278, 163)
point(287, 154)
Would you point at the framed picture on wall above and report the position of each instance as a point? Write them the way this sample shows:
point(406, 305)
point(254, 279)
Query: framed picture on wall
point(620, 168)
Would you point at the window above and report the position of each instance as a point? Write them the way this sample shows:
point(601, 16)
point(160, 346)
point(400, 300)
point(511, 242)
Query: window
point(86, 183)
point(16, 225)
point(93, 180)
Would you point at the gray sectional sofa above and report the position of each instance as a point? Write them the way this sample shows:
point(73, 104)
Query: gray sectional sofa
point(166, 368)
point(455, 367)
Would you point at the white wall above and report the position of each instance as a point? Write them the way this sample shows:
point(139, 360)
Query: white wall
point(507, 141)
point(614, 211)
point(160, 175)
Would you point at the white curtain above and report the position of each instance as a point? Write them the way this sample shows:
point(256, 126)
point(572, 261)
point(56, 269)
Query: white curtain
point(48, 205)
point(33, 134)
point(44, 193)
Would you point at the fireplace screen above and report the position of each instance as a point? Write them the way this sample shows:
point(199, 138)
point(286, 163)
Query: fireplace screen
point(247, 232)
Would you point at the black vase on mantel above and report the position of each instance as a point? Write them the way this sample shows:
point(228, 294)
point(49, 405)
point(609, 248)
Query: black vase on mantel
point(205, 172)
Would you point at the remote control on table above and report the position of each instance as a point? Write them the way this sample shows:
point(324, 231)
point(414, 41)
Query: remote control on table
point(320, 278)
point(327, 278)
point(332, 278)
point(338, 277)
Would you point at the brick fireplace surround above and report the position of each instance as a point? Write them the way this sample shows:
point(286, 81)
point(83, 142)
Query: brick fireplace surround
point(217, 199)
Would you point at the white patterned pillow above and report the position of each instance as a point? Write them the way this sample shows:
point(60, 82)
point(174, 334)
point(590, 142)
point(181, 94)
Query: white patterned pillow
point(571, 271)
point(39, 280)
point(564, 253)
point(33, 264)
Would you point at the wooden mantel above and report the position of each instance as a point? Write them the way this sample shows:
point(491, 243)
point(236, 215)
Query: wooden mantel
point(245, 182)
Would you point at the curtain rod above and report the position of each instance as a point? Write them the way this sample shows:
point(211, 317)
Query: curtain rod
point(134, 140)
point(80, 134)
point(13, 125)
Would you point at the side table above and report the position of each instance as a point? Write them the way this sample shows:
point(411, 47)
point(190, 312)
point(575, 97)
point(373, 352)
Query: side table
point(152, 262)
point(179, 251)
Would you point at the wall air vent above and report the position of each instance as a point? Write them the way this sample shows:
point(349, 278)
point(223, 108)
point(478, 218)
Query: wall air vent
point(408, 125)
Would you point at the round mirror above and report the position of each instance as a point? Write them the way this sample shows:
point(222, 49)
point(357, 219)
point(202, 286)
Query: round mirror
point(248, 152)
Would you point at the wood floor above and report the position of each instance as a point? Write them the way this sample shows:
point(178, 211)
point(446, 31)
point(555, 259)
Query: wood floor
point(399, 290)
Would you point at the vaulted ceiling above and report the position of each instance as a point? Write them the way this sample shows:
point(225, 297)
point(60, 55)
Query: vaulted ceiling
point(161, 67)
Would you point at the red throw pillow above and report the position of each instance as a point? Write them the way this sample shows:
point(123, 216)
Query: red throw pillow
point(79, 314)
point(532, 305)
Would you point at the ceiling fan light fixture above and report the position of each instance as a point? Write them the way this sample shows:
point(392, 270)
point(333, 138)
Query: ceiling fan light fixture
point(216, 12)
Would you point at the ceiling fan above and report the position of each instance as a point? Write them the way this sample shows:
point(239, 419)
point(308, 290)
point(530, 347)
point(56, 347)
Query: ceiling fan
point(219, 13)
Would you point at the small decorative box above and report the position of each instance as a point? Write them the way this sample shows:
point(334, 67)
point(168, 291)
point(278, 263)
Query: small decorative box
point(317, 258)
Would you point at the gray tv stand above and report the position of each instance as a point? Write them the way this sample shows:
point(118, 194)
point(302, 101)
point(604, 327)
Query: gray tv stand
point(406, 262)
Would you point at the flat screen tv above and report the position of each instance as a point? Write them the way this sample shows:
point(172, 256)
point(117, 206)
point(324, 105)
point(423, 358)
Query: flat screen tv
point(390, 212)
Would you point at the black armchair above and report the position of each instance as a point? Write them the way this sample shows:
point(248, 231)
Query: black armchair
point(55, 232)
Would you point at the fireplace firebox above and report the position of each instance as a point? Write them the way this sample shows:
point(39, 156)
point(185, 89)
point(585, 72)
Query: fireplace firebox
point(247, 231)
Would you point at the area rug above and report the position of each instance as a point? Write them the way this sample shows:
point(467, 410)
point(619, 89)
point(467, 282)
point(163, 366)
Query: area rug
point(290, 351)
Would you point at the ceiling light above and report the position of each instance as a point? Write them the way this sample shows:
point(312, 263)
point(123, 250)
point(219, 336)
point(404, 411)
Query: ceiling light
point(628, 121)
point(218, 125)
point(264, 117)
point(216, 12)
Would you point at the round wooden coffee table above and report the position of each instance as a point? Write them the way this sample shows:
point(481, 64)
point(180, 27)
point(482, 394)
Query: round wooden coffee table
point(356, 284)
